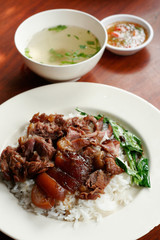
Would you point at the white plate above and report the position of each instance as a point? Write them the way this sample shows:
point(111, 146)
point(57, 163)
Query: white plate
point(133, 221)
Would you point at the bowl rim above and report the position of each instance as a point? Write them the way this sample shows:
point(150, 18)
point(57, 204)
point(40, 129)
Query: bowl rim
point(133, 17)
point(61, 10)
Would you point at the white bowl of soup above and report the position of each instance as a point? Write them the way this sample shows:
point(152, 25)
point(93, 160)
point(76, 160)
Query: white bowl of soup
point(61, 44)
point(127, 34)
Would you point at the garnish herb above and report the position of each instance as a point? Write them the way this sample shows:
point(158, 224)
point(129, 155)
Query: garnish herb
point(72, 56)
point(52, 51)
point(81, 112)
point(76, 37)
point(67, 62)
point(57, 28)
point(138, 28)
point(94, 45)
point(75, 56)
point(137, 165)
point(54, 55)
point(90, 42)
point(27, 53)
point(82, 46)
point(68, 54)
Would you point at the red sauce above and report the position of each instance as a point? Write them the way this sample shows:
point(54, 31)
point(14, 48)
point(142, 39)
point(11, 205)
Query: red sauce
point(126, 34)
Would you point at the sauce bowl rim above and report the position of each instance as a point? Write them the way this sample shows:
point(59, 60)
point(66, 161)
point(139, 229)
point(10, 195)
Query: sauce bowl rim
point(117, 18)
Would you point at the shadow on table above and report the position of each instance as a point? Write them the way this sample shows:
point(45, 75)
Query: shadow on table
point(22, 79)
point(125, 64)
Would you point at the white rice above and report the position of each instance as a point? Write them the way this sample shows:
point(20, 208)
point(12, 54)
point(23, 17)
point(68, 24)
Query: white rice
point(118, 193)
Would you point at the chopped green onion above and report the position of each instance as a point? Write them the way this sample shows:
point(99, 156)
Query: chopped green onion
point(76, 37)
point(57, 28)
point(90, 42)
point(27, 53)
point(82, 46)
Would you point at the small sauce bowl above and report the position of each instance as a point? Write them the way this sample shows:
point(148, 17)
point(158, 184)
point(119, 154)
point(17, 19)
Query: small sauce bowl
point(131, 19)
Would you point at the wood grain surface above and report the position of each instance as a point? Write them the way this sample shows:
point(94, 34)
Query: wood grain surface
point(139, 73)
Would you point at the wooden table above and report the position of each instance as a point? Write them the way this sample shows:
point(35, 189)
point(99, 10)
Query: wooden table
point(139, 74)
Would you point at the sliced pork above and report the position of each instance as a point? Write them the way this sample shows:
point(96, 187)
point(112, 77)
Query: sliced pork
point(73, 164)
point(77, 153)
point(48, 127)
point(94, 185)
point(12, 165)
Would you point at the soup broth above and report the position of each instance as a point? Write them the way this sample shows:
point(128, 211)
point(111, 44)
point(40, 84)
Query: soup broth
point(62, 45)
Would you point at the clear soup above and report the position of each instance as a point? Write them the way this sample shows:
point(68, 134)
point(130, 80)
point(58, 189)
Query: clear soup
point(62, 45)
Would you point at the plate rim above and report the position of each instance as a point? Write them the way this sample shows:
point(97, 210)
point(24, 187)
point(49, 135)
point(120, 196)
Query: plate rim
point(94, 85)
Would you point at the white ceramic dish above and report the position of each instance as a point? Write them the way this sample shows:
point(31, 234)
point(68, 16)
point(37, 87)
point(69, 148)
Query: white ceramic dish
point(128, 18)
point(132, 221)
point(52, 18)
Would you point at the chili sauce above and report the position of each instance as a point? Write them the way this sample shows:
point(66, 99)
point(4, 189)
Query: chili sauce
point(126, 34)
point(61, 45)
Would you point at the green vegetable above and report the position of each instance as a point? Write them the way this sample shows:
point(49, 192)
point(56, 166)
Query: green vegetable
point(67, 62)
point(84, 55)
point(68, 54)
point(143, 170)
point(82, 46)
point(128, 170)
point(57, 28)
point(140, 176)
point(138, 28)
point(76, 37)
point(97, 42)
point(75, 54)
point(99, 116)
point(73, 57)
point(94, 45)
point(131, 142)
point(137, 166)
point(81, 112)
point(97, 48)
point(27, 53)
point(90, 42)
point(54, 55)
